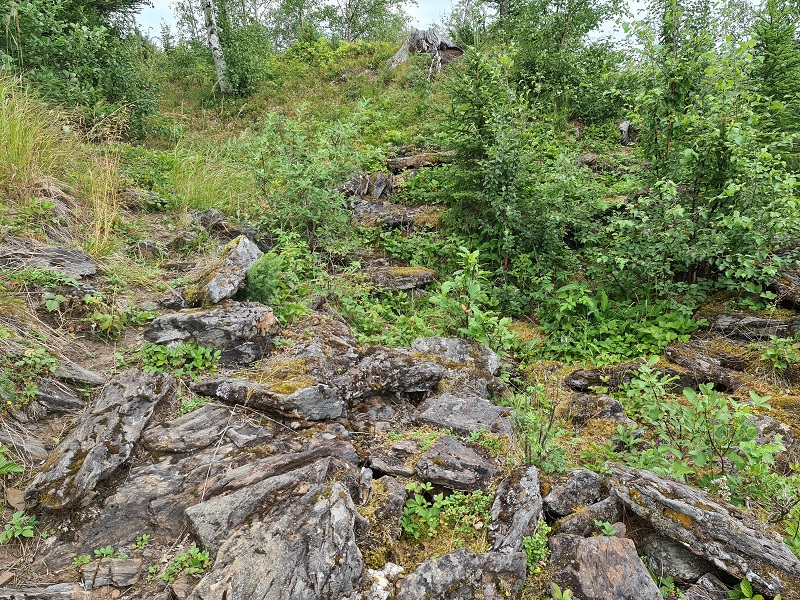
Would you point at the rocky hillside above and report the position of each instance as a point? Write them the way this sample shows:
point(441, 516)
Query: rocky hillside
point(185, 445)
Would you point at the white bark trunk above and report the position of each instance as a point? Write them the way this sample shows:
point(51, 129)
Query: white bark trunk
point(216, 48)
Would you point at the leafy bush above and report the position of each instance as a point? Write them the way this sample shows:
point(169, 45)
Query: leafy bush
point(299, 165)
point(183, 359)
point(20, 526)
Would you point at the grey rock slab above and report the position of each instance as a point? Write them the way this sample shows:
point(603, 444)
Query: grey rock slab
point(226, 276)
point(73, 372)
point(242, 331)
point(307, 553)
point(581, 488)
point(464, 575)
point(452, 464)
point(731, 539)
point(516, 510)
point(312, 401)
point(214, 519)
point(196, 430)
point(58, 591)
point(608, 510)
point(55, 397)
point(376, 213)
point(464, 413)
point(752, 328)
point(607, 568)
point(101, 441)
point(667, 558)
point(72, 262)
point(111, 571)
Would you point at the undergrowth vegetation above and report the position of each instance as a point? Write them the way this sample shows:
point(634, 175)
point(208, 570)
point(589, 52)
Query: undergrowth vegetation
point(551, 243)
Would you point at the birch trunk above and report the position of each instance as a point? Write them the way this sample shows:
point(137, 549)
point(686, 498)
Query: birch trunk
point(216, 48)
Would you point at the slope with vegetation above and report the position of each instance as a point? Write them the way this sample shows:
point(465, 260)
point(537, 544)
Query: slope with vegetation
point(358, 318)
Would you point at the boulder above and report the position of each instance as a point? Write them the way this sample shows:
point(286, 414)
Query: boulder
point(453, 465)
point(470, 366)
point(787, 285)
point(731, 539)
point(307, 551)
point(581, 488)
point(464, 413)
point(390, 371)
point(242, 331)
point(516, 510)
point(464, 575)
point(101, 441)
point(606, 568)
point(226, 276)
point(196, 430)
point(54, 397)
point(296, 399)
point(385, 511)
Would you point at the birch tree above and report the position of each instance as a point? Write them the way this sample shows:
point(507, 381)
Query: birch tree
point(216, 48)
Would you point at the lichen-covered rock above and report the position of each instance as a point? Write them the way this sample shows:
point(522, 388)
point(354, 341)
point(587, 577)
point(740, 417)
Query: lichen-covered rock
point(390, 371)
point(306, 552)
point(401, 278)
point(704, 365)
point(581, 488)
point(728, 537)
point(606, 568)
point(464, 413)
point(752, 328)
point(101, 441)
point(242, 331)
point(465, 575)
point(516, 510)
point(470, 366)
point(226, 276)
point(453, 465)
point(373, 213)
point(294, 399)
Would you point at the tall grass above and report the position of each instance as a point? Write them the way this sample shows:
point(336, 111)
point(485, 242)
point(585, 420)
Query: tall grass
point(202, 181)
point(101, 204)
point(28, 139)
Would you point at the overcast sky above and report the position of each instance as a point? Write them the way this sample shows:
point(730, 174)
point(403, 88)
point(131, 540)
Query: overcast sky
point(424, 12)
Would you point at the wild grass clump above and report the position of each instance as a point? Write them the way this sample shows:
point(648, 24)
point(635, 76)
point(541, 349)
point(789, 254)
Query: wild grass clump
point(29, 141)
